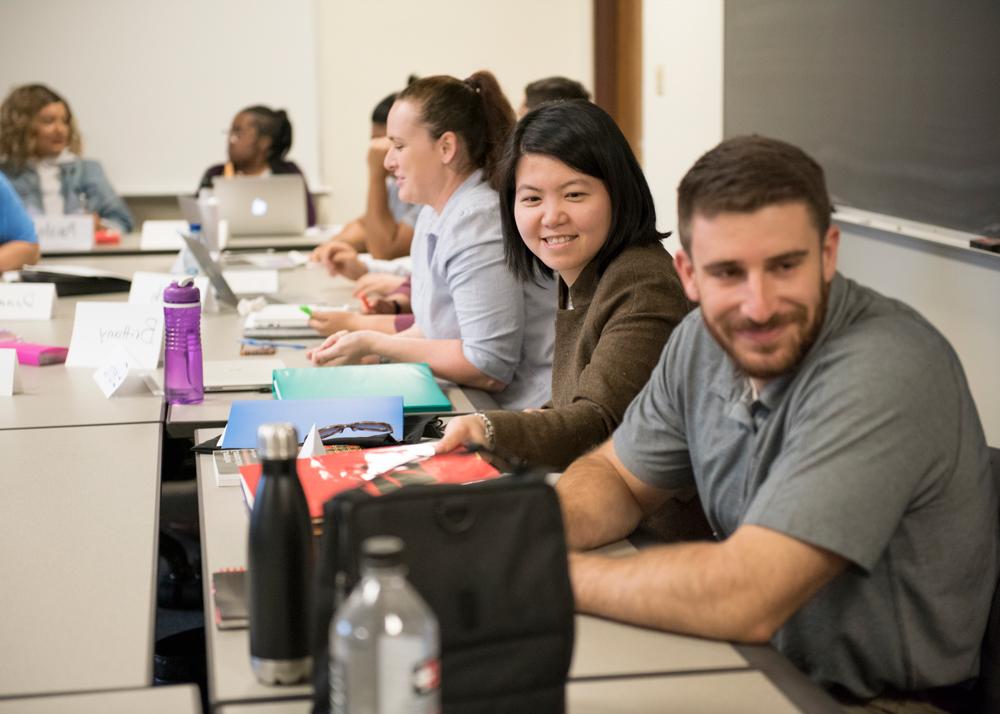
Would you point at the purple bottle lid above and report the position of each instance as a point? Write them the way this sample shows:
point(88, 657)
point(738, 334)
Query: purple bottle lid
point(182, 292)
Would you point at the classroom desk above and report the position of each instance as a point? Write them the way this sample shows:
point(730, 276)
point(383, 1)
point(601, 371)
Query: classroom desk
point(178, 699)
point(130, 244)
point(603, 648)
point(746, 692)
point(79, 538)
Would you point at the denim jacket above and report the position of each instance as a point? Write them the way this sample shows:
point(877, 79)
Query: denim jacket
point(77, 176)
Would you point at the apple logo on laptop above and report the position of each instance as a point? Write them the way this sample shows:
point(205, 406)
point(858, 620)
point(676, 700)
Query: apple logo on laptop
point(258, 207)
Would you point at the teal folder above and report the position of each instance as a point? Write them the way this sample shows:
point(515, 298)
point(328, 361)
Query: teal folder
point(413, 382)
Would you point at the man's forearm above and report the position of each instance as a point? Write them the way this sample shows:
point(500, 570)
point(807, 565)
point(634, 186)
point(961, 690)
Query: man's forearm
point(741, 589)
point(598, 507)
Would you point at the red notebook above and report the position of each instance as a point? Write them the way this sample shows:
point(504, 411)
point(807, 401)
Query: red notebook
point(323, 477)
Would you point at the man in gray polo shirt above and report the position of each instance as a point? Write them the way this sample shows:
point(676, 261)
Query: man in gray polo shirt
point(833, 441)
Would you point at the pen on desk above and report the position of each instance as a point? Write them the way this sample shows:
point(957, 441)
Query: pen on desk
point(273, 343)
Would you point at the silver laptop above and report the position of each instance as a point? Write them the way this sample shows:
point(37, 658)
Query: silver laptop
point(212, 269)
point(262, 206)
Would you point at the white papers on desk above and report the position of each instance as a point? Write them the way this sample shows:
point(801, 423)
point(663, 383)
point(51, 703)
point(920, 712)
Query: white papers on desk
point(232, 375)
point(270, 261)
point(283, 321)
point(252, 282)
point(163, 235)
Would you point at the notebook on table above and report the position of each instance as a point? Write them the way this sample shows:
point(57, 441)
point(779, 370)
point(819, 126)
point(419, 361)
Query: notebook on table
point(413, 381)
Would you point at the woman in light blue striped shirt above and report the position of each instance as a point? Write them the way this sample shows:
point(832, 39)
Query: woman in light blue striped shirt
point(476, 324)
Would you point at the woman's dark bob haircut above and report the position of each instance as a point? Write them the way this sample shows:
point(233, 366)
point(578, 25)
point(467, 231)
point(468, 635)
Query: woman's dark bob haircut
point(585, 138)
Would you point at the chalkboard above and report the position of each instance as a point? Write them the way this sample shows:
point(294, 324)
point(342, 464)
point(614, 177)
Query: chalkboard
point(899, 100)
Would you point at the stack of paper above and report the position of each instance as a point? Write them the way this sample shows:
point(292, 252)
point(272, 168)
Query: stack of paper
point(282, 321)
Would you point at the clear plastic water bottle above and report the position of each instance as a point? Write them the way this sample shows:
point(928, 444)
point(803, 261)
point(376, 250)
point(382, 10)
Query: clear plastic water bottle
point(182, 361)
point(279, 563)
point(384, 641)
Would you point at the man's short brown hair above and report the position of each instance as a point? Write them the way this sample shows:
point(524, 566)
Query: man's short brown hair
point(747, 173)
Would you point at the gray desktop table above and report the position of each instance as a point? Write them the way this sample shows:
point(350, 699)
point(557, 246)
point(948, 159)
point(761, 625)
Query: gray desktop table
point(79, 538)
point(179, 699)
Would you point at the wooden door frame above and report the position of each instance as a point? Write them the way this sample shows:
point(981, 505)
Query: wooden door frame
point(618, 65)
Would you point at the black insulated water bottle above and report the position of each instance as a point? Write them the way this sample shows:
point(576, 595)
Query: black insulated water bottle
point(279, 563)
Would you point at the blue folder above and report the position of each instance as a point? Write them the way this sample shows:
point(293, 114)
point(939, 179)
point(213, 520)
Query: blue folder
point(246, 415)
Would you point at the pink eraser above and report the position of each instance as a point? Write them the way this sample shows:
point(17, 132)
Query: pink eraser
point(31, 353)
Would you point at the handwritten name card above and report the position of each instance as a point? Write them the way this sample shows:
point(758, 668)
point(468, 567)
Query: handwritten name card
point(65, 234)
point(27, 301)
point(10, 384)
point(101, 326)
point(119, 375)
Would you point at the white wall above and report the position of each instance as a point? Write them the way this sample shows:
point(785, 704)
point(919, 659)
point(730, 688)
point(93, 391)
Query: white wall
point(154, 85)
point(959, 292)
point(367, 49)
point(682, 94)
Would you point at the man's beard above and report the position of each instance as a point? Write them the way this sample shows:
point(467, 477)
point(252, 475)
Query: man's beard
point(805, 335)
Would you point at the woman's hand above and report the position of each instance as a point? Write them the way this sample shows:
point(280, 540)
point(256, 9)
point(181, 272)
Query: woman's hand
point(345, 348)
point(339, 259)
point(461, 430)
point(377, 284)
point(326, 323)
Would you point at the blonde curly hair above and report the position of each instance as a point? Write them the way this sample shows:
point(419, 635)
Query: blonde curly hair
point(18, 111)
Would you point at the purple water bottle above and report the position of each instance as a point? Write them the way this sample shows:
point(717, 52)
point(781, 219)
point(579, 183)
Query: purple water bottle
point(182, 380)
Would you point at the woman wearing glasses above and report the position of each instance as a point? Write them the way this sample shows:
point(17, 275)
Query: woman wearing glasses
point(259, 141)
point(574, 202)
point(476, 324)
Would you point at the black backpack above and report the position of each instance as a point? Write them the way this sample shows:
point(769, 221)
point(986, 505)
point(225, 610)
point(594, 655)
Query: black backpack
point(490, 560)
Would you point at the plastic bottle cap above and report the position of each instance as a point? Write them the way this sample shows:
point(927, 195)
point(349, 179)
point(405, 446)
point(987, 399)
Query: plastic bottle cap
point(182, 292)
point(277, 441)
point(383, 551)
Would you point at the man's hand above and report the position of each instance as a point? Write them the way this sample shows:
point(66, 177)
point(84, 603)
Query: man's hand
point(377, 150)
point(462, 430)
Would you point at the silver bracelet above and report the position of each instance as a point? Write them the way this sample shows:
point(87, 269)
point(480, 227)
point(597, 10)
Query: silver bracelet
point(488, 428)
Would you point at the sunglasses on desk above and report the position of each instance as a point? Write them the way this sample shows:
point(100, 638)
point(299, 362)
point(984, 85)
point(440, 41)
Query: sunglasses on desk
point(372, 427)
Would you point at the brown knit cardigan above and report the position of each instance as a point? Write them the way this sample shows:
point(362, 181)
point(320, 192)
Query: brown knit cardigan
point(610, 330)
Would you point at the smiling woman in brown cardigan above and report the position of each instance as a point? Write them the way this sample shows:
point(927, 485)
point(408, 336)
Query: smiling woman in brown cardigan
point(574, 201)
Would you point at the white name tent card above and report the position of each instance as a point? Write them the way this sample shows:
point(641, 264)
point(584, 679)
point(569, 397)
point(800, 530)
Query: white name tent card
point(163, 235)
point(10, 383)
point(27, 301)
point(252, 282)
point(100, 326)
point(147, 288)
point(119, 375)
point(65, 234)
point(313, 445)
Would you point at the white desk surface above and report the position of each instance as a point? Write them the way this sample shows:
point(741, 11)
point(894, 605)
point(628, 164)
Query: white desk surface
point(130, 245)
point(602, 649)
point(178, 699)
point(79, 534)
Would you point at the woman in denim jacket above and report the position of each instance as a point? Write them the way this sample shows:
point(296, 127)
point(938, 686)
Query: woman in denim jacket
point(40, 154)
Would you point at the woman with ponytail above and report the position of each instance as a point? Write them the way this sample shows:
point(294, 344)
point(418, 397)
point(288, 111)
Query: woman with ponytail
point(476, 323)
point(259, 140)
